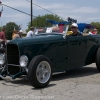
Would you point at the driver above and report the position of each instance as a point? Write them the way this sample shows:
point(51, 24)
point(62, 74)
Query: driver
point(75, 31)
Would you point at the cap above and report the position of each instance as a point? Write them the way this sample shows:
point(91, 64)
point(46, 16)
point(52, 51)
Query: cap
point(95, 29)
point(74, 25)
point(20, 31)
point(14, 31)
point(32, 27)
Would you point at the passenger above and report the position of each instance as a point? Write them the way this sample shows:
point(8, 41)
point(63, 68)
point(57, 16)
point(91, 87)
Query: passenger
point(20, 33)
point(91, 31)
point(31, 32)
point(95, 31)
point(74, 29)
point(15, 35)
point(55, 29)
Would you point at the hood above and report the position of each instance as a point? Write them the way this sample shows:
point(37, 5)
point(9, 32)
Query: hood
point(36, 39)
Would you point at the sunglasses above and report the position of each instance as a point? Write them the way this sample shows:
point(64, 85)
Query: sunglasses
point(73, 27)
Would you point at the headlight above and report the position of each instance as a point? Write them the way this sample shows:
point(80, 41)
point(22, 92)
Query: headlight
point(23, 61)
point(2, 59)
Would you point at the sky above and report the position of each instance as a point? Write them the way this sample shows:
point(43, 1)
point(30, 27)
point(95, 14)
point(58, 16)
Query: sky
point(85, 11)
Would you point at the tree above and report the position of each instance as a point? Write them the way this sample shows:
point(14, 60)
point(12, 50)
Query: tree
point(9, 29)
point(97, 25)
point(0, 29)
point(40, 21)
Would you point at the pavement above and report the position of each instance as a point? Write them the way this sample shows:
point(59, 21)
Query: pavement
point(78, 84)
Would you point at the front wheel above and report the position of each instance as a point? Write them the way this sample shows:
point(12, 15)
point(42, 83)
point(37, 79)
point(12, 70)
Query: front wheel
point(39, 71)
point(98, 59)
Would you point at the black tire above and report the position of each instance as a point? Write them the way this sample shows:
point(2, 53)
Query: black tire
point(1, 78)
point(1, 75)
point(0, 72)
point(33, 67)
point(98, 59)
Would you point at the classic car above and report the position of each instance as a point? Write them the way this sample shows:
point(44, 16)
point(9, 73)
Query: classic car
point(40, 56)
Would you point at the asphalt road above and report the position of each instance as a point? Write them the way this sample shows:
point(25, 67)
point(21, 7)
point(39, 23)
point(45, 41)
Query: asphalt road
point(79, 84)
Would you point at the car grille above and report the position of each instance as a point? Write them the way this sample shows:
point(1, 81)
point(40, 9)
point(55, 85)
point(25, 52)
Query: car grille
point(12, 54)
point(13, 59)
point(12, 70)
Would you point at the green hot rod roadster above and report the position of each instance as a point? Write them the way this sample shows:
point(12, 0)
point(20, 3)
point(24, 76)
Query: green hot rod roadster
point(40, 56)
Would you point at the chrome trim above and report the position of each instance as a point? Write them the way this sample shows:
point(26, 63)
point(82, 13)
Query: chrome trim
point(13, 65)
point(26, 69)
point(64, 34)
point(4, 60)
point(7, 59)
point(26, 58)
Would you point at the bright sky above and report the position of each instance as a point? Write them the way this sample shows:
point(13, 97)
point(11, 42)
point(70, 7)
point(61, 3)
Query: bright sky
point(82, 10)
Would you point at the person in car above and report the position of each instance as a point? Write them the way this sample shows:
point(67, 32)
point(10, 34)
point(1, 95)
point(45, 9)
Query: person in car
point(75, 31)
point(91, 31)
point(20, 33)
point(95, 31)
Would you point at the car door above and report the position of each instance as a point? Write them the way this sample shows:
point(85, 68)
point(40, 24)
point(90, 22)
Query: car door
point(76, 51)
point(61, 54)
point(91, 46)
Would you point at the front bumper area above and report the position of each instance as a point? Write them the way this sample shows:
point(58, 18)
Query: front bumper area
point(13, 71)
point(4, 73)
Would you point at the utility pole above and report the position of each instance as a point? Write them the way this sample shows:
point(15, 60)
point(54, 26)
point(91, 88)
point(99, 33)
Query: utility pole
point(1, 8)
point(31, 12)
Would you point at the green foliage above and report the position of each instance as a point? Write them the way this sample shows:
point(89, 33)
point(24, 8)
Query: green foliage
point(97, 25)
point(40, 21)
point(9, 29)
point(0, 29)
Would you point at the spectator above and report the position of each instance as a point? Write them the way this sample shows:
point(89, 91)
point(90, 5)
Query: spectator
point(2, 35)
point(3, 38)
point(31, 32)
point(20, 33)
point(15, 35)
point(75, 31)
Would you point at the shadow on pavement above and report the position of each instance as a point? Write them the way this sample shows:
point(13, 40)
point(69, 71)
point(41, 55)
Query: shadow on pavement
point(17, 82)
point(80, 72)
point(50, 85)
point(21, 82)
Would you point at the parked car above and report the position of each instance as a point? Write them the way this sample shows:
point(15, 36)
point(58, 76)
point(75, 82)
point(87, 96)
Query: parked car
point(40, 56)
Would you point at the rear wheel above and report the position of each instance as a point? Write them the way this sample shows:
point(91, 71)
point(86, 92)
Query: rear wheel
point(98, 59)
point(39, 71)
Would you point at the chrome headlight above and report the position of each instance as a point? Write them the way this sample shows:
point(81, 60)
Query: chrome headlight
point(2, 59)
point(23, 61)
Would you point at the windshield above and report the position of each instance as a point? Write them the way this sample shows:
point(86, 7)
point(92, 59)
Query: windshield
point(54, 29)
point(58, 27)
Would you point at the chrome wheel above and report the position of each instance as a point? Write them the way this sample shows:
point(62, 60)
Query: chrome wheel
point(43, 72)
point(40, 71)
